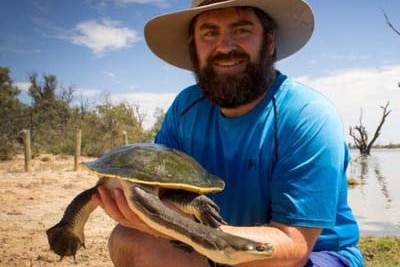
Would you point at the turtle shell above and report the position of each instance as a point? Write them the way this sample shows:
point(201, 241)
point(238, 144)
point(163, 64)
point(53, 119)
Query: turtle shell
point(156, 165)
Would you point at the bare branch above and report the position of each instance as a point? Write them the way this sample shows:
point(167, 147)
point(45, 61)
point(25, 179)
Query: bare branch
point(140, 116)
point(378, 129)
point(389, 23)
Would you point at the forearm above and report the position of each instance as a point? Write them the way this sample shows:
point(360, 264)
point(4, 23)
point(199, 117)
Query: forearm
point(291, 244)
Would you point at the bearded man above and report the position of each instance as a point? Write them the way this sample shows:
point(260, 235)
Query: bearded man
point(278, 145)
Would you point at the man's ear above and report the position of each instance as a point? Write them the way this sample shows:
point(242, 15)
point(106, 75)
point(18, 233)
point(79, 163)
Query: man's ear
point(271, 43)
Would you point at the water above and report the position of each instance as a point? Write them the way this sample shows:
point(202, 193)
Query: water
point(376, 202)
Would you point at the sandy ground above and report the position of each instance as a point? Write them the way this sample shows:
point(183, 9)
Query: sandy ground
point(32, 202)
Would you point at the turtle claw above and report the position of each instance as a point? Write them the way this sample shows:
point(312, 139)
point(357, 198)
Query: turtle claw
point(182, 246)
point(63, 241)
point(209, 211)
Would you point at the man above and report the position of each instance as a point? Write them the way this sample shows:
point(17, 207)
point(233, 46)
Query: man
point(278, 145)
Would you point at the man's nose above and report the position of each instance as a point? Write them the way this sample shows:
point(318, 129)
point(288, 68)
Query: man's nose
point(226, 43)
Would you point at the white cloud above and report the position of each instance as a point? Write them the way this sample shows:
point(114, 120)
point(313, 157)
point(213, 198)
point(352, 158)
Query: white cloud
point(347, 57)
point(23, 86)
point(112, 76)
point(98, 35)
point(104, 35)
point(367, 89)
point(88, 92)
point(109, 74)
point(148, 102)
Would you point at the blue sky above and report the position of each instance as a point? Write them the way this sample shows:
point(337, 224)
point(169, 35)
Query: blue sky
point(98, 47)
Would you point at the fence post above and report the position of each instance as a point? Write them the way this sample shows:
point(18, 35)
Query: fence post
point(125, 134)
point(77, 156)
point(27, 150)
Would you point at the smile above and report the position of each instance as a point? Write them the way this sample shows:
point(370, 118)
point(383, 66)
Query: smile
point(228, 63)
point(229, 66)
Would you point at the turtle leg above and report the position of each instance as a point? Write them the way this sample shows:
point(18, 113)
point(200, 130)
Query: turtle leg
point(217, 245)
point(201, 207)
point(208, 211)
point(66, 237)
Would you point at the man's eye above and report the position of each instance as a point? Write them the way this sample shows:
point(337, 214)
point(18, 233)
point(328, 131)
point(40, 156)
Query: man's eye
point(242, 31)
point(210, 33)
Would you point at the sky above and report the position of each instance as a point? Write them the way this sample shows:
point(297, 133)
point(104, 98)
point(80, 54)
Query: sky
point(97, 47)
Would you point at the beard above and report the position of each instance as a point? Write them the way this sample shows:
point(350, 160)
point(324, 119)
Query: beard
point(233, 90)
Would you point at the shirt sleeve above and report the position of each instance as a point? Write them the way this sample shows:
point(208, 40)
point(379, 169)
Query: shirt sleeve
point(310, 167)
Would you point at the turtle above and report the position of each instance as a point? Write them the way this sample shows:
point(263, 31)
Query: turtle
point(148, 174)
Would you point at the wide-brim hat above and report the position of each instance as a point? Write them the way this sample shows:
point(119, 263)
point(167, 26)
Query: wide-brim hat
point(168, 35)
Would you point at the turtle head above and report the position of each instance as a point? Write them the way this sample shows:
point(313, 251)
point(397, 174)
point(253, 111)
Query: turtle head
point(246, 252)
point(261, 249)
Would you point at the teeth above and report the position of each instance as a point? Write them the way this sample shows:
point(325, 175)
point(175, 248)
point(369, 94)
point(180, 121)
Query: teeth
point(228, 64)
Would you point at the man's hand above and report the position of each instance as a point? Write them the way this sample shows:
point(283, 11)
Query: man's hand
point(118, 209)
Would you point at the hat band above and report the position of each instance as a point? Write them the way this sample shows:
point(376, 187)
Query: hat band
point(208, 2)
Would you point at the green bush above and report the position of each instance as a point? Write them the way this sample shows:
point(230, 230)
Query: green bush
point(7, 149)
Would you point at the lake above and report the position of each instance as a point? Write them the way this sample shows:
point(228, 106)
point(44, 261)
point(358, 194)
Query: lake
point(376, 202)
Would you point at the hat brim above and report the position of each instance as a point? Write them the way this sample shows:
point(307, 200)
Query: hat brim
point(167, 35)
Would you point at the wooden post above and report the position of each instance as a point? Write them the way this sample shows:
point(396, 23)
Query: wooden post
point(125, 137)
point(77, 156)
point(27, 149)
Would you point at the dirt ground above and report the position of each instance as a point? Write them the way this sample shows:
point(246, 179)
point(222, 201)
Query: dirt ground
point(32, 202)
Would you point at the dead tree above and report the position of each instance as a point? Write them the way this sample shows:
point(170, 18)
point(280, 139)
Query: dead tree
point(360, 134)
point(389, 23)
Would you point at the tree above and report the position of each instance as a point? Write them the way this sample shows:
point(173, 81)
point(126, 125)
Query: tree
point(53, 119)
point(51, 112)
point(360, 134)
point(159, 115)
point(12, 114)
point(103, 128)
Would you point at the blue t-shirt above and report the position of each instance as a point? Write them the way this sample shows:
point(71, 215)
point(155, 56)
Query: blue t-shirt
point(284, 161)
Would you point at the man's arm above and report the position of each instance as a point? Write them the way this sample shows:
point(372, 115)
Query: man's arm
point(292, 245)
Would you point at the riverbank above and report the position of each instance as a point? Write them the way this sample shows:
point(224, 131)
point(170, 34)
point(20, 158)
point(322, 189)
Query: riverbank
point(381, 251)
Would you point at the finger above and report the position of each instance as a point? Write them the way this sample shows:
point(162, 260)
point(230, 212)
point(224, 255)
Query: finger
point(122, 204)
point(96, 198)
point(132, 219)
point(109, 205)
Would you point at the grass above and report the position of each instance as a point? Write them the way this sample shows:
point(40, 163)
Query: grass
point(381, 251)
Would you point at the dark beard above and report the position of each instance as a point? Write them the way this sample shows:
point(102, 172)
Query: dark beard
point(230, 91)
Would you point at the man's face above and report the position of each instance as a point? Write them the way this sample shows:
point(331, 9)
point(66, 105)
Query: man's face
point(224, 30)
point(232, 56)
